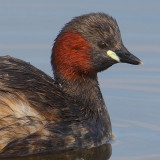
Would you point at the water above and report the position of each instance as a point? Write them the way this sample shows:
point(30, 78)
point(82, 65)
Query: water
point(132, 93)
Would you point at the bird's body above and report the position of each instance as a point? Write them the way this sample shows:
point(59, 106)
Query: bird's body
point(39, 114)
point(43, 116)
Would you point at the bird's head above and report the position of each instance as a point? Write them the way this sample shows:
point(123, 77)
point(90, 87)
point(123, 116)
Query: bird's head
point(89, 44)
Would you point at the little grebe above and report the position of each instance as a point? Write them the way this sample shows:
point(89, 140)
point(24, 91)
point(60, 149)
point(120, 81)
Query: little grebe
point(39, 114)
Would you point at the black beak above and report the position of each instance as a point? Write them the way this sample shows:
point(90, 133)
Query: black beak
point(126, 57)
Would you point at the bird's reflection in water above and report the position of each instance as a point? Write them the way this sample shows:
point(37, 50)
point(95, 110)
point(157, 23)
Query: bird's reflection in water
point(99, 153)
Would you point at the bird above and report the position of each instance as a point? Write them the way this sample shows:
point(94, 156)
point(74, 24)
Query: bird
point(41, 114)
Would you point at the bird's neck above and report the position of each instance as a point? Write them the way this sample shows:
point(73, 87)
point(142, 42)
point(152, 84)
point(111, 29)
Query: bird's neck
point(86, 93)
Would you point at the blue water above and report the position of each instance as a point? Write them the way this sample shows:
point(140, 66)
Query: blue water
point(132, 93)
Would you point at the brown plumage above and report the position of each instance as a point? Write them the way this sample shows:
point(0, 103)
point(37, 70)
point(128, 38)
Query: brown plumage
point(39, 114)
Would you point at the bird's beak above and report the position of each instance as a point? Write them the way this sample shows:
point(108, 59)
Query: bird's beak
point(124, 56)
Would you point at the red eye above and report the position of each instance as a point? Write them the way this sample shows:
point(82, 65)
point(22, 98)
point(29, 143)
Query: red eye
point(102, 45)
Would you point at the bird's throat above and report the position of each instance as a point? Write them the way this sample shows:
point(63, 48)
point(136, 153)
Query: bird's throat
point(86, 93)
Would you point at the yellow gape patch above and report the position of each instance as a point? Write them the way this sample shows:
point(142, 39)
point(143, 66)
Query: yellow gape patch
point(113, 55)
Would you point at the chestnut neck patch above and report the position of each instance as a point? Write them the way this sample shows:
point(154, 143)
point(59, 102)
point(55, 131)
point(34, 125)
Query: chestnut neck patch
point(70, 56)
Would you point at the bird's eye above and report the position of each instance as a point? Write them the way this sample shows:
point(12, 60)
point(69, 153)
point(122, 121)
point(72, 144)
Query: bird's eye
point(102, 45)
